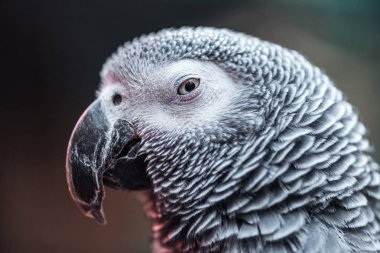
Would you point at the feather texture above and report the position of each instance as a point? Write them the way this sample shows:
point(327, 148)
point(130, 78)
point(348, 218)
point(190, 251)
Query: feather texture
point(284, 169)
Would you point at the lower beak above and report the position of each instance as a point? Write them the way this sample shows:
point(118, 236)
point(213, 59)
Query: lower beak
point(94, 148)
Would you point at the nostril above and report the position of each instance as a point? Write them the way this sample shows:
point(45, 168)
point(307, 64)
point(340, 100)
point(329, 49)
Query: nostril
point(117, 99)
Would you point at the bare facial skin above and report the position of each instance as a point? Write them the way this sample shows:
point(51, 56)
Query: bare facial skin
point(157, 102)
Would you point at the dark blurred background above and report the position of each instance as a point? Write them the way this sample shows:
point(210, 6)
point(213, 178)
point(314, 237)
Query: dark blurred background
point(52, 52)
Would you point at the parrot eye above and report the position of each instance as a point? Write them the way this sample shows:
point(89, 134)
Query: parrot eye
point(188, 86)
point(116, 100)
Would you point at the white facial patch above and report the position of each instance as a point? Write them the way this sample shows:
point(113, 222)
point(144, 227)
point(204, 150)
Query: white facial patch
point(164, 107)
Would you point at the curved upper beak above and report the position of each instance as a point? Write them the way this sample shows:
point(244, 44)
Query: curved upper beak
point(95, 146)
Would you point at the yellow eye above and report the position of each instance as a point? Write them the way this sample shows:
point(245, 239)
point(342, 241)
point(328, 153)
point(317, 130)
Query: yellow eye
point(188, 86)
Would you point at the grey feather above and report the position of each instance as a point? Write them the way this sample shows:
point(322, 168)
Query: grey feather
point(283, 168)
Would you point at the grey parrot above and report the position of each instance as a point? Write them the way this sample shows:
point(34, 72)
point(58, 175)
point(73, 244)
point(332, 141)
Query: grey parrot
point(237, 144)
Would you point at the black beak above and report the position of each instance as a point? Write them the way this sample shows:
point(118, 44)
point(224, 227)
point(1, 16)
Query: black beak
point(100, 152)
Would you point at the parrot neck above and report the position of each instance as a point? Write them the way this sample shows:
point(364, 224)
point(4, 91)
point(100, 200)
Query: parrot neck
point(158, 223)
point(279, 189)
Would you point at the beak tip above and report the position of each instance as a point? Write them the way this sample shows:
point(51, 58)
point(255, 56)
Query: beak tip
point(98, 215)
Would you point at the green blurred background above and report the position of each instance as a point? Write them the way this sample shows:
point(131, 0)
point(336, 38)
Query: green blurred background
point(52, 52)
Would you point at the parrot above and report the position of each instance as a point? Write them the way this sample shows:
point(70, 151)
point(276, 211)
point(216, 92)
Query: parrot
point(236, 144)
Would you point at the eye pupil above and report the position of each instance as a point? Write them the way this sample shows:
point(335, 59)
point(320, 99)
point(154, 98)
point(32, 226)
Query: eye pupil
point(117, 99)
point(189, 86)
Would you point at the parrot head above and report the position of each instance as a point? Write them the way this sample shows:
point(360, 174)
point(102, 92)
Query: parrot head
point(167, 115)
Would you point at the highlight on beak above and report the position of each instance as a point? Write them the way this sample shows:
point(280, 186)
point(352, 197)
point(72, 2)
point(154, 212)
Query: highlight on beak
point(96, 147)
